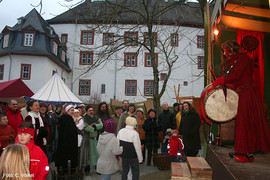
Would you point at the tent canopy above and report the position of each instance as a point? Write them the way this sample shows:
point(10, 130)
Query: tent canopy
point(56, 91)
point(14, 88)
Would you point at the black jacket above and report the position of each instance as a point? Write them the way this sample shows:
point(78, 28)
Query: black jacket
point(190, 130)
point(167, 121)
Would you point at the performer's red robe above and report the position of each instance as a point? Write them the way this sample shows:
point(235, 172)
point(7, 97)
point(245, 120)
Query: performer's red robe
point(251, 128)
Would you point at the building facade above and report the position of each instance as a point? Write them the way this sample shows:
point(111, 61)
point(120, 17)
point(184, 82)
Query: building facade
point(112, 60)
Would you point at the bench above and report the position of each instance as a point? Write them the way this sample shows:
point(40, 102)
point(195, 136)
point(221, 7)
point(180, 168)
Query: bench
point(180, 171)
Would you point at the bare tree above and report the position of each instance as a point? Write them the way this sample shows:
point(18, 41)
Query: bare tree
point(144, 17)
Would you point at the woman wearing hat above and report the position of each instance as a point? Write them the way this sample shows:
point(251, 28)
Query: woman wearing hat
point(108, 147)
point(151, 127)
point(141, 119)
point(67, 148)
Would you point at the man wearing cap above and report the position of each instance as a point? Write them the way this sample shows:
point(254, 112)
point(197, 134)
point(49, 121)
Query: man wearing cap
point(116, 116)
point(167, 121)
point(129, 113)
point(92, 128)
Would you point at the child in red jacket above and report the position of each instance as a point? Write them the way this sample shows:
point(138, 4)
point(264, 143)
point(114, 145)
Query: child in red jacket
point(39, 167)
point(7, 134)
point(175, 146)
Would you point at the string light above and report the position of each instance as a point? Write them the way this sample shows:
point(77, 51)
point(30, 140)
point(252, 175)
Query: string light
point(216, 32)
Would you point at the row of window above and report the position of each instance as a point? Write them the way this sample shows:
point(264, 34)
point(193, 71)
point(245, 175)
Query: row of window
point(29, 41)
point(25, 71)
point(130, 59)
point(130, 39)
point(129, 62)
point(130, 87)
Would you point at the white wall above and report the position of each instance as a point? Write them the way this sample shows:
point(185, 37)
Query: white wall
point(185, 69)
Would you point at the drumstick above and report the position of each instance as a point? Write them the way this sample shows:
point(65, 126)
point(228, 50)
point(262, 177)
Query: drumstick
point(213, 74)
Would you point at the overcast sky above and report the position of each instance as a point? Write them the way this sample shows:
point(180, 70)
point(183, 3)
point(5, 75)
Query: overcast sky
point(10, 10)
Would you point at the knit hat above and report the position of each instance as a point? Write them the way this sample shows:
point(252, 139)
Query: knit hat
point(174, 131)
point(169, 130)
point(139, 109)
point(88, 107)
point(109, 126)
point(150, 110)
point(76, 110)
point(131, 121)
point(175, 104)
point(68, 107)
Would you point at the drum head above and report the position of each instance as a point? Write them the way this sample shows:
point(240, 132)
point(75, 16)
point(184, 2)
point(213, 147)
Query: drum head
point(219, 110)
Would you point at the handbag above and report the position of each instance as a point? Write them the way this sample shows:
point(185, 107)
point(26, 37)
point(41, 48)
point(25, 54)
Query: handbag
point(160, 136)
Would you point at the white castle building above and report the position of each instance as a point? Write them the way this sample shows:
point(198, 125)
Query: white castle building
point(77, 43)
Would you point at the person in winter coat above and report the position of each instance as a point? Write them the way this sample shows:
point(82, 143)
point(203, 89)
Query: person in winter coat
point(175, 146)
point(67, 148)
point(39, 167)
point(14, 114)
point(131, 112)
point(116, 116)
point(151, 127)
point(190, 130)
point(38, 124)
point(167, 120)
point(141, 119)
point(108, 147)
point(7, 134)
point(92, 128)
point(132, 153)
point(79, 122)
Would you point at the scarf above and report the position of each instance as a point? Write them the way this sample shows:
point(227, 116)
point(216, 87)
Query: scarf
point(34, 115)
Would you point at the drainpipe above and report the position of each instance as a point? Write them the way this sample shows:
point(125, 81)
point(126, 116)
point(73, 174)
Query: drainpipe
point(115, 77)
point(72, 72)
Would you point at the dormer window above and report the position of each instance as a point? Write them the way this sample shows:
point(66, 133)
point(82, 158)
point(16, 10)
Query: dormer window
point(5, 41)
point(63, 56)
point(54, 48)
point(28, 39)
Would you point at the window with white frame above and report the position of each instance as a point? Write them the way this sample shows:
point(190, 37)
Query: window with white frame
point(200, 42)
point(131, 88)
point(86, 57)
point(1, 71)
point(55, 48)
point(63, 55)
point(87, 37)
point(147, 38)
point(28, 39)
point(25, 71)
point(64, 38)
point(131, 38)
point(174, 39)
point(163, 76)
point(130, 59)
point(108, 38)
point(148, 87)
point(200, 62)
point(84, 87)
point(6, 40)
point(148, 62)
point(103, 88)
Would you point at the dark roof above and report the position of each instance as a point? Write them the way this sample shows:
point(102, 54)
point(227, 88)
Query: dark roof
point(35, 20)
point(102, 12)
point(44, 35)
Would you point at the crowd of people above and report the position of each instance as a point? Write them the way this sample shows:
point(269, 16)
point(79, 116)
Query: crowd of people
point(82, 138)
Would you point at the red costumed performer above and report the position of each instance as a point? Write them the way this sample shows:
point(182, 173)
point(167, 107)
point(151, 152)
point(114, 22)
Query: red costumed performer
point(251, 129)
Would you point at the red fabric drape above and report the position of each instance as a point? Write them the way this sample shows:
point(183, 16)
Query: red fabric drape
point(251, 43)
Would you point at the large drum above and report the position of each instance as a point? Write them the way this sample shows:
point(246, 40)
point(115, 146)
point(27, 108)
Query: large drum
point(215, 106)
